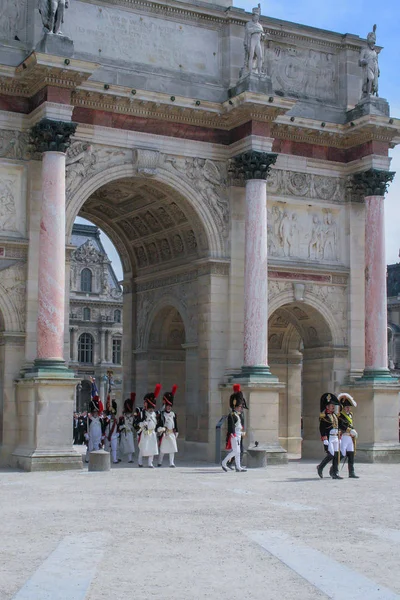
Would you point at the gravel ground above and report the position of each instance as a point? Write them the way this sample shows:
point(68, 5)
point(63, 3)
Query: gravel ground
point(184, 533)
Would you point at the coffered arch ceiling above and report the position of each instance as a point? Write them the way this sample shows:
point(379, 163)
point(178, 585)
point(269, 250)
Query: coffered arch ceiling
point(150, 224)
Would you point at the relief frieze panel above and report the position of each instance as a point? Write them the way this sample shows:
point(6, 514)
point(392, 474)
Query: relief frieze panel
point(309, 185)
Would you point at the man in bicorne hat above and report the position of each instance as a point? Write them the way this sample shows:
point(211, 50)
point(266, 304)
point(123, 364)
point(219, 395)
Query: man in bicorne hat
point(235, 429)
point(168, 428)
point(126, 442)
point(329, 430)
point(148, 444)
point(349, 434)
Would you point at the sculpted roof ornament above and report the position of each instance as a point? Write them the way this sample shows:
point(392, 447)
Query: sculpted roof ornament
point(88, 253)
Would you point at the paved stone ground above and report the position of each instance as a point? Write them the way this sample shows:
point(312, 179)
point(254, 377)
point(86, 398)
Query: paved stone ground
point(194, 532)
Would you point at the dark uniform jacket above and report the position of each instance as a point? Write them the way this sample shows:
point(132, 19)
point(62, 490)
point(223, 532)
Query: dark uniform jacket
point(326, 423)
point(346, 422)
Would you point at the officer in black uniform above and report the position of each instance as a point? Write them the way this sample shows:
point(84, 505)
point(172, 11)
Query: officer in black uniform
point(348, 433)
point(329, 430)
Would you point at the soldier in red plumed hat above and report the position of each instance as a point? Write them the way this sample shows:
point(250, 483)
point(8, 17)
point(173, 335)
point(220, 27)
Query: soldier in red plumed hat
point(168, 428)
point(148, 444)
point(126, 442)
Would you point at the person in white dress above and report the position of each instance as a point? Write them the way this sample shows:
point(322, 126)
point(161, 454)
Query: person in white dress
point(168, 429)
point(148, 444)
point(95, 432)
point(126, 442)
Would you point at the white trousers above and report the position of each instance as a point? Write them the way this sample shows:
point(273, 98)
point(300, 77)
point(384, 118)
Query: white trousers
point(112, 447)
point(346, 444)
point(235, 452)
point(333, 445)
point(171, 458)
point(149, 460)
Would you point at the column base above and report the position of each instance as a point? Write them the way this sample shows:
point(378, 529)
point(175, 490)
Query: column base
point(255, 374)
point(48, 368)
point(378, 453)
point(45, 408)
point(46, 460)
point(377, 376)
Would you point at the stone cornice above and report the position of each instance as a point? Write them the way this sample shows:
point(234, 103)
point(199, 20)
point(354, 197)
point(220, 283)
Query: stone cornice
point(40, 70)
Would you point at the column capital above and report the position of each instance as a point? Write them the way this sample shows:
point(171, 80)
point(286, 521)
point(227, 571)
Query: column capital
point(373, 182)
point(252, 165)
point(52, 136)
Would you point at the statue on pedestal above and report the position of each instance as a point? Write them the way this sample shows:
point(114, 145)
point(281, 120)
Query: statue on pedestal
point(52, 13)
point(254, 34)
point(369, 62)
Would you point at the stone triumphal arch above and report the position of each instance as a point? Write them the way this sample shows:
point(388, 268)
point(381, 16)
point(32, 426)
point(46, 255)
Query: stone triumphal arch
point(244, 194)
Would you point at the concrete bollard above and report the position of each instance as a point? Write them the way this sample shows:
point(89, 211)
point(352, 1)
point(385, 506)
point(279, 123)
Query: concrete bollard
point(99, 460)
point(256, 458)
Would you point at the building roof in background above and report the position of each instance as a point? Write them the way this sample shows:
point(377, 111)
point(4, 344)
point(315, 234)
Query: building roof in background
point(81, 234)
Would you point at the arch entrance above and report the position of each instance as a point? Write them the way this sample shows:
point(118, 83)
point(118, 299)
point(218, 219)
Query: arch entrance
point(163, 244)
point(303, 355)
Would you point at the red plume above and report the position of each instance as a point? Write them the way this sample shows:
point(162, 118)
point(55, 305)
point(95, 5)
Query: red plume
point(133, 397)
point(157, 390)
point(174, 388)
point(236, 388)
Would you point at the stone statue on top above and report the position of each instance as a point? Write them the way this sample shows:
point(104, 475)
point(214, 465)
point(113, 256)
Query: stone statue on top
point(369, 62)
point(254, 34)
point(52, 13)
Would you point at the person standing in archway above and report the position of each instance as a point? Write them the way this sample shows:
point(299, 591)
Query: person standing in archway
point(329, 430)
point(168, 429)
point(148, 445)
point(349, 434)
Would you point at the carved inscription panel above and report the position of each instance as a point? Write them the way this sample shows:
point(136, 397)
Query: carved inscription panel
point(312, 234)
point(121, 35)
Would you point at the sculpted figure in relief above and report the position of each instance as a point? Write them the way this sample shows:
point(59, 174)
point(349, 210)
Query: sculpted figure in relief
point(253, 36)
point(369, 62)
point(52, 13)
point(80, 158)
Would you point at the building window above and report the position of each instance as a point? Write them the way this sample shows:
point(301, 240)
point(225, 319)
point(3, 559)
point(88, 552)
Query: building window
point(117, 344)
point(86, 280)
point(86, 314)
point(117, 316)
point(85, 349)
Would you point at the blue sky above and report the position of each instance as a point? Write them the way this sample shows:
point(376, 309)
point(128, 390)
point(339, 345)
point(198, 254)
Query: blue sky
point(346, 16)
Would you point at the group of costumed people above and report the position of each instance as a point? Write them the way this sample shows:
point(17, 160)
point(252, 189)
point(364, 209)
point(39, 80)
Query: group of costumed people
point(157, 431)
point(337, 434)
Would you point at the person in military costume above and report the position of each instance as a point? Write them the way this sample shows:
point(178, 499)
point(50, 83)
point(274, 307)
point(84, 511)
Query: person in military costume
point(168, 429)
point(235, 430)
point(126, 427)
point(329, 430)
point(148, 444)
point(348, 433)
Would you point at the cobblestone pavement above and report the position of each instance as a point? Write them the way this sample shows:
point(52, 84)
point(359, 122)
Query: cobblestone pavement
point(196, 532)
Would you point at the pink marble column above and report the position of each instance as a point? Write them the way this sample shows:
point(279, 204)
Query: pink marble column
point(256, 275)
point(376, 356)
point(51, 281)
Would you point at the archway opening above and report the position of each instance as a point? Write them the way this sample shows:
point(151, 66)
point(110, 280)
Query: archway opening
point(302, 355)
point(162, 243)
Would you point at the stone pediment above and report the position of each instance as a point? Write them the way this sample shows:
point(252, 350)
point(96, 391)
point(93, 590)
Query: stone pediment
point(89, 254)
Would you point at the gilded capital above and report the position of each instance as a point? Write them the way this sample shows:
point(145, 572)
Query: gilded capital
point(52, 136)
point(252, 165)
point(373, 182)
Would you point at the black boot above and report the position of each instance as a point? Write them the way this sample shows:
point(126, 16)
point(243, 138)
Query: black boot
point(323, 464)
point(335, 467)
point(350, 458)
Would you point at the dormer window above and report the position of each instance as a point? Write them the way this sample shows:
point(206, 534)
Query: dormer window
point(86, 280)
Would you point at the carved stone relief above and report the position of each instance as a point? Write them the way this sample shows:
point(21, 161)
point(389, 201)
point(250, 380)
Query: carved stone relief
point(14, 144)
point(302, 72)
point(293, 183)
point(311, 235)
point(12, 19)
point(13, 283)
point(8, 214)
point(88, 253)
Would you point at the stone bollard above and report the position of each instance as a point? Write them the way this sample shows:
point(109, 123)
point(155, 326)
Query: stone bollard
point(256, 458)
point(99, 460)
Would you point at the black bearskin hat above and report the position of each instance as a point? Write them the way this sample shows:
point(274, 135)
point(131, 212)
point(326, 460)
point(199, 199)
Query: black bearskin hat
point(327, 399)
point(346, 400)
point(150, 399)
point(168, 398)
point(94, 404)
point(237, 398)
point(129, 402)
